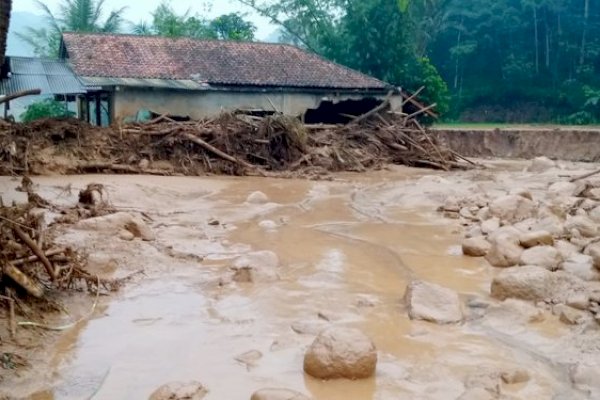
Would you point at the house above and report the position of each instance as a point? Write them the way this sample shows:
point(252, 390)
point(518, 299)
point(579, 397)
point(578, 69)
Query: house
point(54, 78)
point(124, 74)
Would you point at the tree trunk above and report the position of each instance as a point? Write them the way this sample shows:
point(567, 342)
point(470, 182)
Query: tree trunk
point(5, 7)
point(586, 16)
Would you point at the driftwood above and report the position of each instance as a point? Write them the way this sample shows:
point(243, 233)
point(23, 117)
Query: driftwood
point(12, 322)
point(24, 281)
point(216, 151)
point(379, 108)
point(37, 251)
point(585, 176)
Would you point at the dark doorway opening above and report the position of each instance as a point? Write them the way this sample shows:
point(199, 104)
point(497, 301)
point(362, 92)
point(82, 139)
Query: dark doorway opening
point(341, 112)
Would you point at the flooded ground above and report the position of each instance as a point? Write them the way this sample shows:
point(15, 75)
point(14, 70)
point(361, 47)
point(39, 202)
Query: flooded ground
point(345, 251)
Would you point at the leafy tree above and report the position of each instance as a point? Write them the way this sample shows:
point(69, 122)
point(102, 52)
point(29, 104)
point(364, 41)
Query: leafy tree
point(72, 16)
point(166, 22)
point(48, 108)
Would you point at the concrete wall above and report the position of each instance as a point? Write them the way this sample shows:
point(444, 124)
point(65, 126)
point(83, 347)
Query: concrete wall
point(195, 104)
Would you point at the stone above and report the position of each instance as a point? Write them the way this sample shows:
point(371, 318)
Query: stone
point(473, 232)
point(310, 327)
point(533, 283)
point(593, 250)
point(477, 394)
point(519, 312)
point(522, 192)
point(551, 224)
point(491, 225)
point(570, 316)
point(258, 266)
point(536, 238)
point(593, 193)
point(506, 233)
point(585, 377)
point(257, 198)
point(513, 208)
point(180, 391)
point(541, 164)
point(249, 358)
point(484, 214)
point(504, 254)
point(278, 394)
point(543, 256)
point(582, 266)
point(579, 301)
point(341, 353)
point(563, 188)
point(433, 303)
point(124, 234)
point(515, 376)
point(268, 225)
point(140, 229)
point(451, 205)
point(476, 247)
point(595, 215)
point(566, 249)
point(584, 225)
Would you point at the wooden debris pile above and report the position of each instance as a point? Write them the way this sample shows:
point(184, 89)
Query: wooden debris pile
point(32, 267)
point(230, 144)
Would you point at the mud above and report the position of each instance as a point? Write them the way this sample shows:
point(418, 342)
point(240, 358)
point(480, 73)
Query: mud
point(346, 249)
point(524, 143)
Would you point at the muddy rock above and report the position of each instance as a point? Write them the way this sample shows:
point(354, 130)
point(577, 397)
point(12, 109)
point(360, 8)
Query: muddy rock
point(268, 225)
point(491, 225)
point(504, 253)
point(579, 301)
point(506, 233)
point(115, 223)
point(515, 376)
point(585, 377)
point(593, 250)
point(310, 327)
point(341, 353)
point(278, 394)
point(566, 249)
point(433, 303)
point(180, 391)
point(513, 208)
point(541, 164)
point(249, 358)
point(126, 235)
point(535, 283)
point(257, 198)
point(584, 225)
point(551, 224)
point(563, 188)
point(484, 214)
point(476, 247)
point(537, 238)
point(582, 266)
point(259, 266)
point(473, 232)
point(570, 316)
point(517, 311)
point(543, 256)
point(595, 215)
point(522, 192)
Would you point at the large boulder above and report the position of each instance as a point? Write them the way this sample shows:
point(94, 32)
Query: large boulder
point(180, 391)
point(476, 247)
point(341, 353)
point(504, 253)
point(536, 238)
point(535, 283)
point(513, 208)
point(543, 256)
point(278, 394)
point(490, 225)
point(257, 198)
point(582, 224)
point(433, 303)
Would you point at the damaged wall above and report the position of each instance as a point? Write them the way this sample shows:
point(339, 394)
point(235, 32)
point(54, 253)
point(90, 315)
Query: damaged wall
point(197, 104)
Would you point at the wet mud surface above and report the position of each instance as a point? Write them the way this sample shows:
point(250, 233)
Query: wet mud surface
point(345, 252)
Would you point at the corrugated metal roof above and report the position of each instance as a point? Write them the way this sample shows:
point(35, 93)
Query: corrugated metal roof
point(178, 84)
point(51, 76)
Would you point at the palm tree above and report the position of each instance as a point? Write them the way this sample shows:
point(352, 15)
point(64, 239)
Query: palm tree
point(73, 16)
point(5, 7)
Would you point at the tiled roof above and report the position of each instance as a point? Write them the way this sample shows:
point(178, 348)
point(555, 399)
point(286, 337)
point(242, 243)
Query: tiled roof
point(208, 61)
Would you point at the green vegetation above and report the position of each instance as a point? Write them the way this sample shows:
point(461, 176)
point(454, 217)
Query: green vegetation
point(73, 16)
point(48, 108)
point(166, 22)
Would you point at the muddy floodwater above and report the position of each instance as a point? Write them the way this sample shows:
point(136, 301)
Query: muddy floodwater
point(346, 250)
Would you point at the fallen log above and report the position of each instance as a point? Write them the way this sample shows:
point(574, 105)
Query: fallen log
point(37, 251)
point(23, 281)
point(216, 151)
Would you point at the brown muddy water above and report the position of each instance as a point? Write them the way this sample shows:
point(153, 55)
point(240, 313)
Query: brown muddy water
point(347, 248)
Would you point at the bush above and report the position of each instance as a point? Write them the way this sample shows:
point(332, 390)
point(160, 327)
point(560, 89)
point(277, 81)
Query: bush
point(48, 108)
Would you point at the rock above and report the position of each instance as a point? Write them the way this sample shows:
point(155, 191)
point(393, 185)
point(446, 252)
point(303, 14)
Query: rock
point(477, 394)
point(593, 193)
point(543, 256)
point(451, 205)
point(474, 231)
point(534, 283)
point(537, 238)
point(566, 249)
point(466, 213)
point(341, 353)
point(367, 301)
point(476, 247)
point(144, 163)
point(584, 225)
point(522, 192)
point(563, 188)
point(595, 215)
point(268, 225)
point(259, 266)
point(250, 358)
point(519, 312)
point(484, 214)
point(541, 164)
point(506, 233)
point(515, 376)
point(180, 391)
point(579, 301)
point(569, 315)
point(504, 254)
point(124, 234)
point(585, 377)
point(310, 327)
point(513, 208)
point(491, 225)
point(551, 224)
point(278, 394)
point(257, 198)
point(433, 303)
point(593, 250)
point(582, 269)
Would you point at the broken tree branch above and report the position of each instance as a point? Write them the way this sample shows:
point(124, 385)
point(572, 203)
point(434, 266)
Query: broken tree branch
point(578, 178)
point(216, 151)
point(16, 95)
point(374, 111)
point(37, 251)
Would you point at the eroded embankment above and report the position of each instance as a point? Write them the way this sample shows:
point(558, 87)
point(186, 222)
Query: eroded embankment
point(561, 144)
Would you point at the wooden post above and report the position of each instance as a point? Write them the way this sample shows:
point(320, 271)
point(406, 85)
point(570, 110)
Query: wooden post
point(98, 110)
